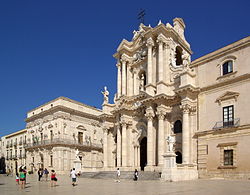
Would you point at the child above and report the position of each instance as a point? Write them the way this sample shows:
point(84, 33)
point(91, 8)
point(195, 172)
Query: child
point(17, 178)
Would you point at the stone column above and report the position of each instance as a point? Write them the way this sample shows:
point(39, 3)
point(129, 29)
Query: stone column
point(124, 144)
point(105, 147)
point(118, 147)
point(124, 75)
point(160, 58)
point(161, 112)
point(130, 84)
point(150, 44)
point(149, 87)
point(150, 153)
point(193, 145)
point(185, 134)
point(135, 87)
point(119, 80)
point(138, 156)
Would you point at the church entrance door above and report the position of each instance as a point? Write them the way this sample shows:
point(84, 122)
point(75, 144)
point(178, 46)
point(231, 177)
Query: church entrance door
point(143, 153)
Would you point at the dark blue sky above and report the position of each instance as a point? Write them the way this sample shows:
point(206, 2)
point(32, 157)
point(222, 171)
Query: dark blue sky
point(65, 47)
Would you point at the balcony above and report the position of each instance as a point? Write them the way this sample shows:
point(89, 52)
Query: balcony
point(11, 144)
point(63, 142)
point(8, 145)
point(15, 144)
point(20, 142)
point(229, 124)
point(22, 156)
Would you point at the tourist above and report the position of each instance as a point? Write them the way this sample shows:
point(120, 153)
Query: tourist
point(53, 178)
point(135, 175)
point(118, 174)
point(46, 173)
point(40, 174)
point(17, 178)
point(22, 178)
point(73, 176)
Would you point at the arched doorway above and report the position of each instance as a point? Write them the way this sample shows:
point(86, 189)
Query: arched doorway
point(178, 157)
point(143, 153)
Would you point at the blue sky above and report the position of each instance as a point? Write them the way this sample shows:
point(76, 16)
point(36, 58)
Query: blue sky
point(64, 48)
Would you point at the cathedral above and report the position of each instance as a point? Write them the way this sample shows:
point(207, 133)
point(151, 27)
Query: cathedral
point(185, 119)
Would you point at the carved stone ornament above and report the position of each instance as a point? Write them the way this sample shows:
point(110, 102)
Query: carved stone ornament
point(139, 55)
point(150, 113)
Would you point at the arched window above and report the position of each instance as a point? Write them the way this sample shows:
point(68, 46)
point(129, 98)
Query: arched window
point(177, 126)
point(178, 56)
point(227, 67)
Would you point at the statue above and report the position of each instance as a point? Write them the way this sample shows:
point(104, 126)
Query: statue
point(105, 95)
point(185, 59)
point(171, 142)
point(142, 82)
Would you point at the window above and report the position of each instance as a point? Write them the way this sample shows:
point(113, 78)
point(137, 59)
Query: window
point(178, 56)
point(177, 126)
point(80, 137)
point(51, 160)
point(228, 116)
point(228, 157)
point(227, 67)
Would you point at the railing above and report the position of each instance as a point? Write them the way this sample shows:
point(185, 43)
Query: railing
point(222, 124)
point(60, 141)
point(22, 156)
point(15, 144)
point(20, 142)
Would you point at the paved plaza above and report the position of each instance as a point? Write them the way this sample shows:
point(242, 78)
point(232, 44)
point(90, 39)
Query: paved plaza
point(109, 187)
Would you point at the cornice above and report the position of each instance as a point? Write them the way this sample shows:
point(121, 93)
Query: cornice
point(16, 133)
point(62, 108)
point(222, 51)
point(222, 131)
point(226, 82)
point(66, 99)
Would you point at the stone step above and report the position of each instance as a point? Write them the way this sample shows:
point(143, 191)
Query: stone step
point(143, 175)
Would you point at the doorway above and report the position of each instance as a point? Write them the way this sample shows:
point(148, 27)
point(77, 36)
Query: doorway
point(143, 153)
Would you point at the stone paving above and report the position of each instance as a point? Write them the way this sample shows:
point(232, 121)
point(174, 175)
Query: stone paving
point(125, 187)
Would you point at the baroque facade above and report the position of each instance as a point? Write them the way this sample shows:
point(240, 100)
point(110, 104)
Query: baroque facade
point(166, 107)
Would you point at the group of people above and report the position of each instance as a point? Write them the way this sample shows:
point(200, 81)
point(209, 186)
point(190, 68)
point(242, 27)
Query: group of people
point(118, 174)
point(21, 176)
point(45, 172)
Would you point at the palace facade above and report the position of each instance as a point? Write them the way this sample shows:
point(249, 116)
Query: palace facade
point(202, 104)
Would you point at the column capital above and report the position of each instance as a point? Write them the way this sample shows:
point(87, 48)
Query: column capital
point(161, 39)
point(124, 58)
point(150, 113)
point(118, 65)
point(193, 110)
point(162, 111)
point(185, 108)
point(150, 42)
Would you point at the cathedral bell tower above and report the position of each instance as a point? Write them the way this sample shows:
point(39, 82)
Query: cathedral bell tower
point(153, 61)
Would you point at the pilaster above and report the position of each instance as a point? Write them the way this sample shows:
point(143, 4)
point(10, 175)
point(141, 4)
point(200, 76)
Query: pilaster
point(150, 87)
point(150, 142)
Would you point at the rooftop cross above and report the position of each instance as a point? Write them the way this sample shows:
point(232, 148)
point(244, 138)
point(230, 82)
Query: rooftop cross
point(141, 16)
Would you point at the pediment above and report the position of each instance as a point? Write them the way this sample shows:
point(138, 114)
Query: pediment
point(124, 44)
point(81, 127)
point(228, 95)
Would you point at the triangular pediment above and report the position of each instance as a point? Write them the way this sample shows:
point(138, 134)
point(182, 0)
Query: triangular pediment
point(228, 95)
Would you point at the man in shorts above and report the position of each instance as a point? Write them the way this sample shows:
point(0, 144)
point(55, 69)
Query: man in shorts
point(73, 176)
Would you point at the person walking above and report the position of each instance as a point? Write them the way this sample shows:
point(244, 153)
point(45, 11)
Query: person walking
point(40, 174)
point(22, 178)
point(53, 178)
point(73, 176)
point(118, 174)
point(17, 178)
point(46, 173)
point(135, 175)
